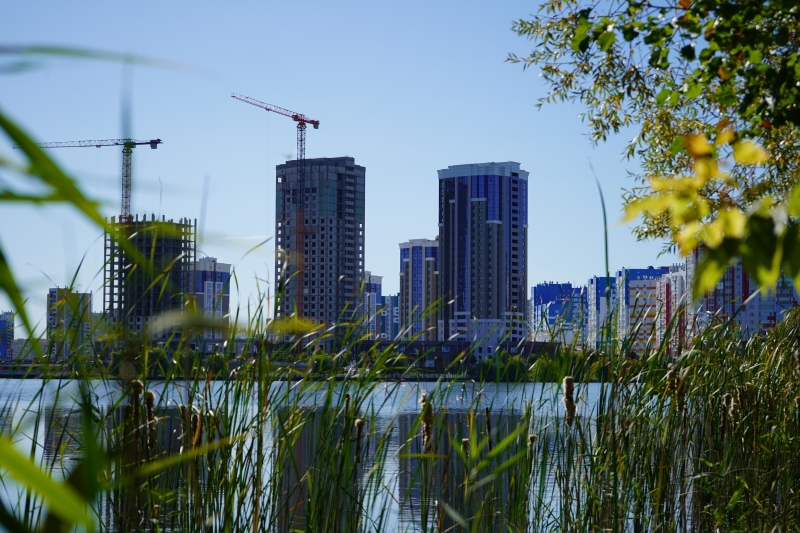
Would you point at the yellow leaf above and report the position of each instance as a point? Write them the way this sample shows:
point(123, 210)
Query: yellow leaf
point(793, 206)
point(712, 234)
point(733, 222)
point(748, 153)
point(724, 137)
point(705, 169)
point(688, 238)
point(649, 204)
point(697, 145)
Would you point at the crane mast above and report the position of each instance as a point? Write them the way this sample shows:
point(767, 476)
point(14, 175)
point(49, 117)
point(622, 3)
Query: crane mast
point(302, 122)
point(127, 156)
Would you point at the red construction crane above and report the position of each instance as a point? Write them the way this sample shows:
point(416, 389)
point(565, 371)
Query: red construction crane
point(127, 154)
point(302, 122)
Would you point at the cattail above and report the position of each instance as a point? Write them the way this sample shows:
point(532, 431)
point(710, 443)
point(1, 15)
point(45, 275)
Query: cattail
point(465, 447)
point(137, 387)
point(531, 439)
point(197, 428)
point(149, 402)
point(359, 428)
point(569, 401)
point(427, 423)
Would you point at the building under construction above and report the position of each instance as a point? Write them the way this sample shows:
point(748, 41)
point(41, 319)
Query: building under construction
point(154, 275)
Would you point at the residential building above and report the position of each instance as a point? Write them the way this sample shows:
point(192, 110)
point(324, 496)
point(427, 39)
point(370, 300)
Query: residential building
point(69, 323)
point(419, 285)
point(736, 297)
point(557, 312)
point(601, 296)
point(320, 239)
point(638, 307)
point(6, 336)
point(390, 317)
point(212, 294)
point(156, 279)
point(673, 298)
point(483, 254)
point(373, 300)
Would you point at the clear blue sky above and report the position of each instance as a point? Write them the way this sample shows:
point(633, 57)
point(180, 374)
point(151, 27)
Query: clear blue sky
point(405, 88)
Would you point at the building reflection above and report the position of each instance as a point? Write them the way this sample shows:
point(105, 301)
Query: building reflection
point(316, 466)
point(435, 488)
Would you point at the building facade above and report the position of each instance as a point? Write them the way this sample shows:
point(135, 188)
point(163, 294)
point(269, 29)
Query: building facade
point(638, 307)
point(320, 239)
point(390, 317)
point(373, 300)
point(69, 323)
point(557, 311)
point(483, 230)
point(212, 294)
point(673, 299)
point(157, 279)
point(419, 289)
point(736, 297)
point(601, 297)
point(6, 336)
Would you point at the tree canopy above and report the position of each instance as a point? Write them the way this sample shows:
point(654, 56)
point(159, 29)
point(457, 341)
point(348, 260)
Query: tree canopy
point(713, 87)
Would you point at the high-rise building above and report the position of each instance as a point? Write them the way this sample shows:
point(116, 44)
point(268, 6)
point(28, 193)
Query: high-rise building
point(638, 306)
point(601, 296)
point(320, 239)
point(69, 323)
point(373, 299)
point(419, 285)
point(483, 254)
point(6, 336)
point(390, 317)
point(156, 279)
point(672, 297)
point(212, 293)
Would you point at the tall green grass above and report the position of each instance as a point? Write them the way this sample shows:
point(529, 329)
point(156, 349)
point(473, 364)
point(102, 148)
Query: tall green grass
point(701, 441)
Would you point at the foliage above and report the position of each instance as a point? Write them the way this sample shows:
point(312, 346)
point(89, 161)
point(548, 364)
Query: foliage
point(677, 68)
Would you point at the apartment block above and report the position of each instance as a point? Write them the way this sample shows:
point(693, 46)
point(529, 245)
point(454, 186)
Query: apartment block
point(373, 300)
point(69, 323)
point(483, 254)
point(601, 298)
point(638, 306)
point(320, 239)
point(419, 287)
point(212, 294)
point(557, 311)
point(390, 317)
point(671, 322)
point(6, 336)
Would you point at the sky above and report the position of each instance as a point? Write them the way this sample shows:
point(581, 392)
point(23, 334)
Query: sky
point(405, 88)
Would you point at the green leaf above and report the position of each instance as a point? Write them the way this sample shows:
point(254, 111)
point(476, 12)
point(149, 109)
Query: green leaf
point(687, 52)
point(725, 94)
point(61, 499)
point(694, 90)
point(580, 41)
point(662, 96)
point(791, 252)
point(606, 40)
point(677, 145)
point(762, 251)
point(712, 267)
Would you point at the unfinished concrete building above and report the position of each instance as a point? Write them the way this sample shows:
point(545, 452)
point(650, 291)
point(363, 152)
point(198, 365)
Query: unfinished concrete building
point(152, 276)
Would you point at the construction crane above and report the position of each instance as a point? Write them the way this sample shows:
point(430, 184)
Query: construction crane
point(302, 123)
point(127, 154)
